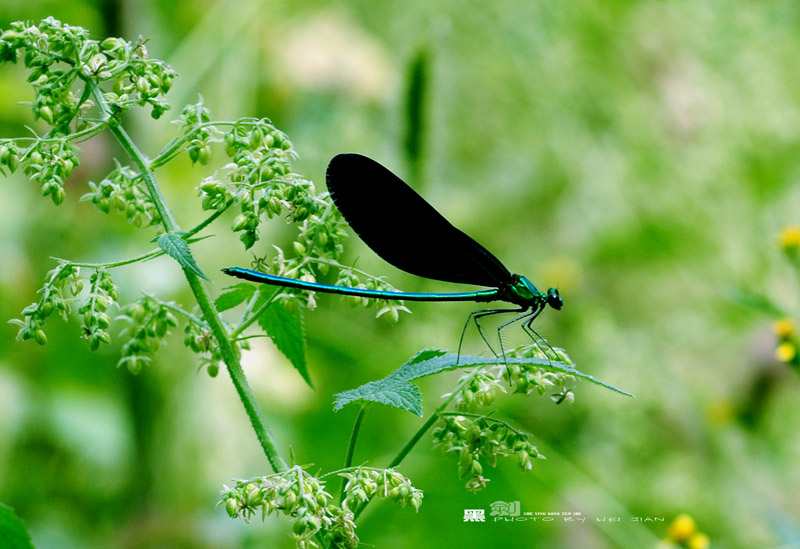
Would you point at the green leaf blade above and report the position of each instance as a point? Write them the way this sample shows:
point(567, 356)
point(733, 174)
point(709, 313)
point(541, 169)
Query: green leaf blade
point(387, 391)
point(13, 534)
point(234, 295)
point(286, 331)
point(178, 249)
point(397, 391)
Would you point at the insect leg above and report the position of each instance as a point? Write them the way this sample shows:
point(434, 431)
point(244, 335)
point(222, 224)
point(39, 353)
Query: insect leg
point(537, 339)
point(476, 315)
point(512, 321)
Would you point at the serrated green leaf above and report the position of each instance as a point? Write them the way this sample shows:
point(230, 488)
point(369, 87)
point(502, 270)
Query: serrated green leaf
point(234, 295)
point(13, 534)
point(286, 331)
point(389, 391)
point(396, 390)
point(177, 248)
point(423, 355)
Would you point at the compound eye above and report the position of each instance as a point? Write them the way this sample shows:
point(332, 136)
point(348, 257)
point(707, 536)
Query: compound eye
point(554, 300)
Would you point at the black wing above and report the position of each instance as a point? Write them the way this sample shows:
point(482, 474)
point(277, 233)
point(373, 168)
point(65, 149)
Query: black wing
point(397, 223)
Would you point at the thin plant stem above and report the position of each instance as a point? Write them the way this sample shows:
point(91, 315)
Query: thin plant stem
point(351, 448)
point(228, 351)
point(253, 317)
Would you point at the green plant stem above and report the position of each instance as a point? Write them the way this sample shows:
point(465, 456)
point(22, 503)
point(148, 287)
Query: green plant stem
point(173, 148)
point(253, 317)
point(210, 219)
point(351, 448)
point(175, 309)
point(152, 254)
point(229, 352)
point(87, 133)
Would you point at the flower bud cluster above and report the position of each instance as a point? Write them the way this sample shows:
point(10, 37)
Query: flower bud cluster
point(364, 483)
point(51, 51)
point(47, 162)
point(198, 337)
point(300, 496)
point(481, 390)
point(123, 191)
point(529, 378)
point(149, 322)
point(102, 293)
point(193, 121)
point(136, 80)
point(63, 284)
point(258, 179)
point(476, 438)
point(59, 55)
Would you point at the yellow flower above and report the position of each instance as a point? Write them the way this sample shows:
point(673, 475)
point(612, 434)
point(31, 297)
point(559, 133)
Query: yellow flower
point(698, 540)
point(789, 238)
point(784, 328)
point(681, 529)
point(785, 352)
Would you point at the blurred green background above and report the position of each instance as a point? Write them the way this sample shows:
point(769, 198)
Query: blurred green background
point(640, 155)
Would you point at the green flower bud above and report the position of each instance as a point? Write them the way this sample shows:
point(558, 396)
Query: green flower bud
point(301, 214)
point(134, 365)
point(137, 312)
point(154, 81)
point(111, 43)
point(58, 196)
point(94, 343)
point(240, 223)
point(46, 114)
point(321, 238)
point(210, 186)
point(208, 202)
point(40, 337)
point(46, 309)
point(299, 248)
point(161, 328)
point(232, 507)
point(103, 321)
point(10, 36)
point(275, 205)
point(252, 495)
point(213, 370)
point(465, 459)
